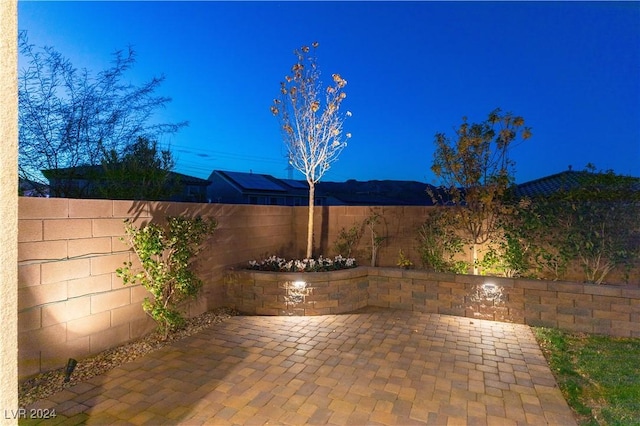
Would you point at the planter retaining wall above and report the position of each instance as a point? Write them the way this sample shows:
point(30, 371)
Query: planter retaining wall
point(610, 310)
point(298, 293)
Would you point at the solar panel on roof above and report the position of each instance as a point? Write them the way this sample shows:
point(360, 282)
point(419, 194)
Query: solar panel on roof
point(254, 181)
point(296, 183)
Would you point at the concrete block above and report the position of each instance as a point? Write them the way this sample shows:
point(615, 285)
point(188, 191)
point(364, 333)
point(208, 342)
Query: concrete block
point(88, 325)
point(567, 287)
point(39, 339)
point(602, 290)
point(56, 355)
point(28, 363)
point(30, 319)
point(110, 300)
point(86, 246)
point(29, 230)
point(110, 338)
point(68, 310)
point(532, 285)
point(127, 314)
point(574, 311)
point(28, 275)
point(88, 285)
point(107, 227)
point(29, 297)
point(42, 251)
point(127, 208)
point(82, 208)
point(139, 293)
point(66, 229)
point(65, 270)
point(611, 315)
point(41, 208)
point(108, 264)
point(142, 327)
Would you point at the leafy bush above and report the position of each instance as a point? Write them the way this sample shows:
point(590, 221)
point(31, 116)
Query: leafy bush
point(438, 244)
point(166, 255)
point(593, 224)
point(347, 241)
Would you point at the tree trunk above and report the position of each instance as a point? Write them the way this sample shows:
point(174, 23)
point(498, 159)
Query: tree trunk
point(312, 191)
point(474, 251)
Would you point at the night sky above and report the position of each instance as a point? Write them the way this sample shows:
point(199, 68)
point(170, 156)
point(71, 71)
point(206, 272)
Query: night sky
point(571, 69)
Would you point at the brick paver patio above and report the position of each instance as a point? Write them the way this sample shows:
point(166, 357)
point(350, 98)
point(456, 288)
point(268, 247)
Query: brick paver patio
point(381, 367)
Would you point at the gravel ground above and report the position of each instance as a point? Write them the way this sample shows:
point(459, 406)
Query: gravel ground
point(46, 384)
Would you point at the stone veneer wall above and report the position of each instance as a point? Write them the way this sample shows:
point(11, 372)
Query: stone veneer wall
point(610, 310)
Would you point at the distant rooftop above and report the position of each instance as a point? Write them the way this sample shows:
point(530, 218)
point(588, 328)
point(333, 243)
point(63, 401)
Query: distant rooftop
point(563, 181)
point(351, 192)
point(254, 181)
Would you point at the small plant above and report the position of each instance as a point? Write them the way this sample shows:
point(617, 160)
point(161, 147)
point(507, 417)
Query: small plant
point(509, 259)
point(347, 241)
point(438, 244)
point(403, 261)
point(166, 255)
point(372, 222)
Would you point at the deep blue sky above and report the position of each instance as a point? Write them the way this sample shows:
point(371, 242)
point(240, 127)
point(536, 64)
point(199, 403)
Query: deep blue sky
point(572, 70)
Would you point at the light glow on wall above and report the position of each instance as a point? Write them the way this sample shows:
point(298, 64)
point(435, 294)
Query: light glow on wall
point(299, 285)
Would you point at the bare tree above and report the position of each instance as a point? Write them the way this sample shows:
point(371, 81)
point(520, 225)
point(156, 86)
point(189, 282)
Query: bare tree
point(311, 123)
point(68, 117)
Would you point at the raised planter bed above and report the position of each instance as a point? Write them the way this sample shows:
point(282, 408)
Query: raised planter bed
point(298, 293)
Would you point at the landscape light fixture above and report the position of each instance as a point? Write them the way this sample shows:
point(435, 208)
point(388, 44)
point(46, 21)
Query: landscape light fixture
point(299, 285)
point(71, 365)
point(489, 287)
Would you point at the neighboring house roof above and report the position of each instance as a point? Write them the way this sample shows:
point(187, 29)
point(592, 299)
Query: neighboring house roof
point(252, 181)
point(82, 172)
point(377, 192)
point(548, 185)
point(563, 181)
point(30, 188)
point(351, 192)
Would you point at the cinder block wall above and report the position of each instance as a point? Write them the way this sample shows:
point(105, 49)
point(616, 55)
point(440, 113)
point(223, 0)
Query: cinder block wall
point(70, 302)
point(398, 224)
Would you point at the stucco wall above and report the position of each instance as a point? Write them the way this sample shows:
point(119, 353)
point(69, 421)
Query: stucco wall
point(8, 207)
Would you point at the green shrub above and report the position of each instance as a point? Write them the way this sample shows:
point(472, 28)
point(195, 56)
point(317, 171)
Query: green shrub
point(438, 244)
point(166, 255)
point(347, 241)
